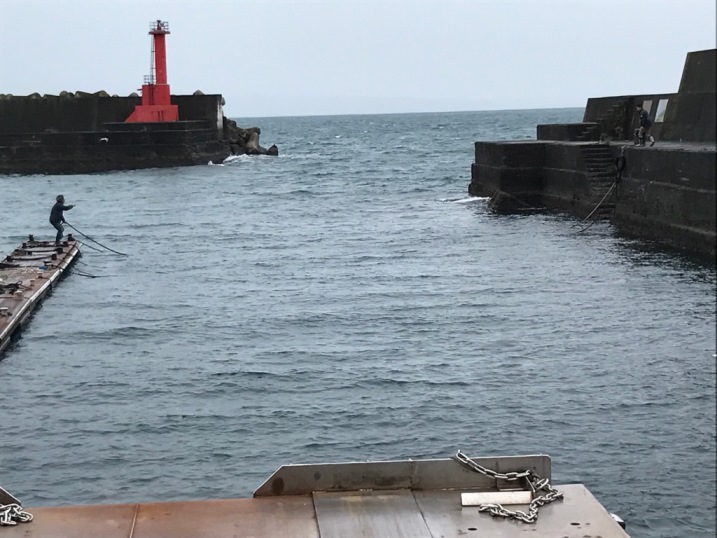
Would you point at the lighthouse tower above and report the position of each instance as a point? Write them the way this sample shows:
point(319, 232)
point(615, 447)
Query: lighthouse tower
point(156, 103)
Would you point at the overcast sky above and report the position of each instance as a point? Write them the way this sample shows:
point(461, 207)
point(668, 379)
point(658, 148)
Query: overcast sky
point(302, 57)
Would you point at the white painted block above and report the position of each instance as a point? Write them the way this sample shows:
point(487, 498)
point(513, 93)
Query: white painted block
point(496, 497)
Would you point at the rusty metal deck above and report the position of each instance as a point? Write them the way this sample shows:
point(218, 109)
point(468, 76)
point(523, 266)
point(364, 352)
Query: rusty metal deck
point(27, 276)
point(370, 500)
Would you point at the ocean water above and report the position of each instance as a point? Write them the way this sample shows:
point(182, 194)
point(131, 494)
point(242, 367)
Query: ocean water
point(349, 301)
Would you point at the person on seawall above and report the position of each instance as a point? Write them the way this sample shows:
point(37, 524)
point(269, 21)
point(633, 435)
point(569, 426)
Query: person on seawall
point(644, 130)
point(57, 218)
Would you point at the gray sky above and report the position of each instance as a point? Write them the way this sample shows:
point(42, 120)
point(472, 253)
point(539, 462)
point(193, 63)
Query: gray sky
point(302, 57)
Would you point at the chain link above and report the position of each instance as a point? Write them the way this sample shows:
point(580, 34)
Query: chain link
point(535, 482)
point(12, 514)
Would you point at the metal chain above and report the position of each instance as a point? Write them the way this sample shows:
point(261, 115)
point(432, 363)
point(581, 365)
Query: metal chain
point(535, 482)
point(12, 514)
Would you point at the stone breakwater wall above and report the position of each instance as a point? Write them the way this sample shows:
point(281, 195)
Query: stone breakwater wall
point(669, 196)
point(80, 111)
point(81, 132)
point(666, 195)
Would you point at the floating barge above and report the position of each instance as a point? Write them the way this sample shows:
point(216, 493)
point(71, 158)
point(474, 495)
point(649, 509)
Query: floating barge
point(389, 499)
point(27, 276)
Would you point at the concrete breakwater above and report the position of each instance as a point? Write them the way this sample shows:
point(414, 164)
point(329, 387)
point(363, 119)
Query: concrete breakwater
point(81, 133)
point(664, 193)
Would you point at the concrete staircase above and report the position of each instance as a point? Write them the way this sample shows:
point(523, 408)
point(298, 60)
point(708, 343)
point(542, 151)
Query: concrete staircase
point(594, 132)
point(600, 168)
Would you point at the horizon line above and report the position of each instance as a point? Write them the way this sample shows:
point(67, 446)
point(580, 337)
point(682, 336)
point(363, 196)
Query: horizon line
point(402, 113)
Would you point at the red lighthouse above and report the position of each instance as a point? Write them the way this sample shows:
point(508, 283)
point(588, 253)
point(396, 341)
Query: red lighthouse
point(156, 104)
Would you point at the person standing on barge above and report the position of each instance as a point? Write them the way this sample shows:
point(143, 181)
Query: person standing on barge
point(57, 218)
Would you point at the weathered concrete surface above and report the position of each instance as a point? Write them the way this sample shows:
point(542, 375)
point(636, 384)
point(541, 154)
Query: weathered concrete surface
point(511, 173)
point(84, 133)
point(25, 114)
point(692, 114)
point(565, 131)
point(117, 148)
point(533, 174)
point(666, 193)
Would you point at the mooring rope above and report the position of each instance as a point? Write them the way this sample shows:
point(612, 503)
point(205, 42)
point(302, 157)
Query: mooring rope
point(95, 241)
point(586, 227)
point(86, 275)
point(596, 208)
point(91, 247)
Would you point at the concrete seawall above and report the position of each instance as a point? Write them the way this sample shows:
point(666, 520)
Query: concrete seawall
point(89, 112)
point(669, 196)
point(666, 193)
point(87, 133)
point(98, 151)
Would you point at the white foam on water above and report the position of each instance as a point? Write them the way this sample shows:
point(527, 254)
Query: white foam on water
point(468, 200)
point(471, 199)
point(233, 158)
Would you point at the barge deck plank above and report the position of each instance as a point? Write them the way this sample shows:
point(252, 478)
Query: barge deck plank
point(384, 514)
point(27, 276)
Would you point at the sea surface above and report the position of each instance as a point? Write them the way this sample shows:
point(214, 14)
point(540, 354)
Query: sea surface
point(349, 301)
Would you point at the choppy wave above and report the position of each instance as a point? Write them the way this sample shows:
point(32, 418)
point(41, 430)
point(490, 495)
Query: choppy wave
point(348, 301)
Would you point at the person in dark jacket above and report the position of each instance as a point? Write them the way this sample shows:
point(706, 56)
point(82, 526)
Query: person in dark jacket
point(645, 126)
point(57, 218)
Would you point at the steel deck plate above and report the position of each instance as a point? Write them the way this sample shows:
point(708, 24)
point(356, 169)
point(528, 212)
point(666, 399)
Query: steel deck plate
point(370, 514)
point(366, 514)
point(278, 517)
point(578, 515)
